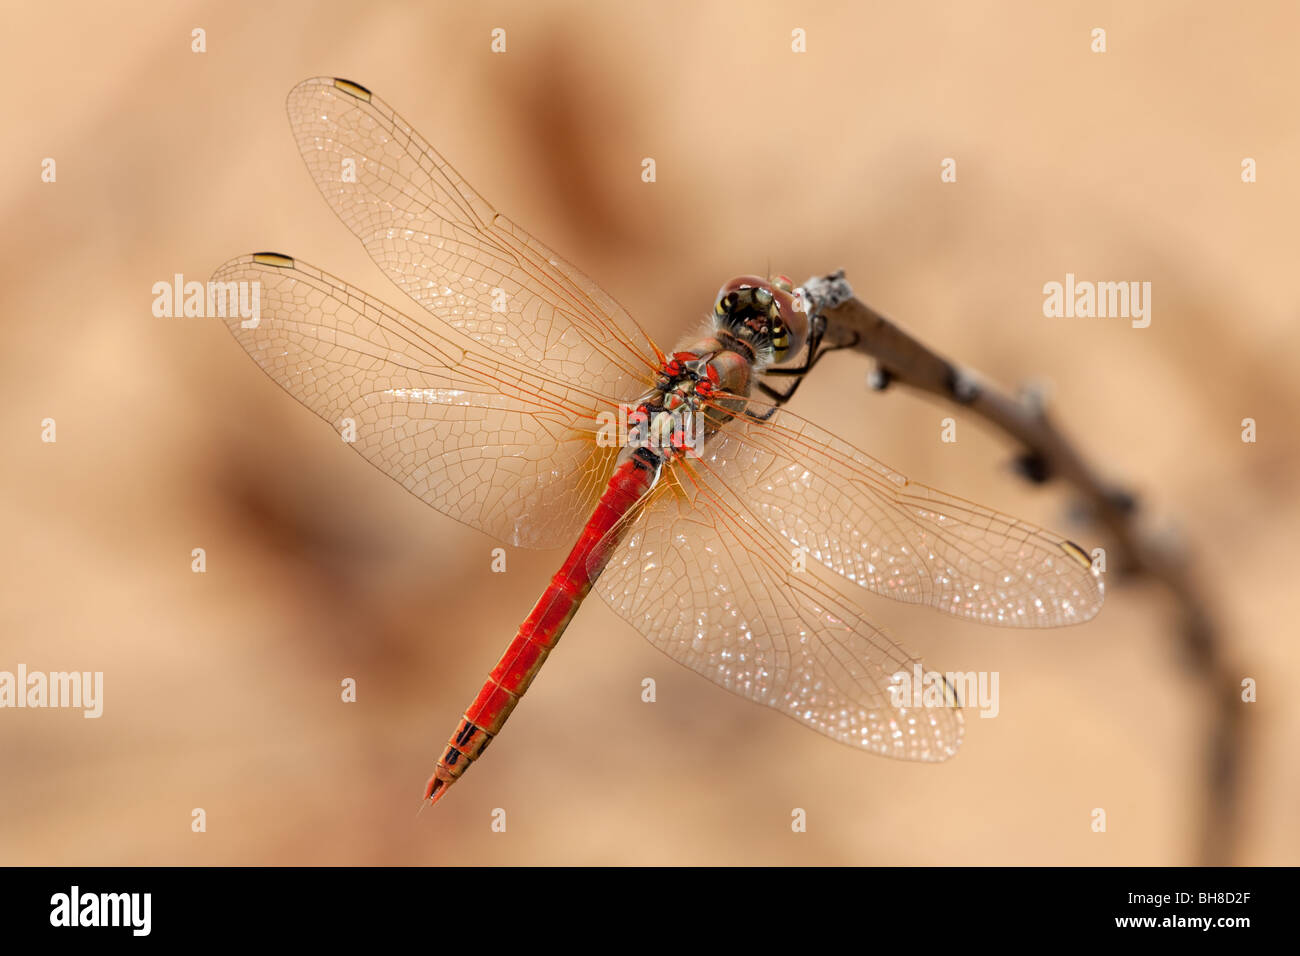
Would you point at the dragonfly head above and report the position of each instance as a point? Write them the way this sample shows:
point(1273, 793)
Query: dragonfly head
point(761, 313)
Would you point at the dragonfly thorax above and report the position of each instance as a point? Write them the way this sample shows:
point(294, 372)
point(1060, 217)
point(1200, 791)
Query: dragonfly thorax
point(698, 391)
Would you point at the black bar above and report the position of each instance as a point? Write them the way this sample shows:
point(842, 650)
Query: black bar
point(524, 907)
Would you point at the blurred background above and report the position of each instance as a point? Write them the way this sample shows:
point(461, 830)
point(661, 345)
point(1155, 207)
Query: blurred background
point(222, 689)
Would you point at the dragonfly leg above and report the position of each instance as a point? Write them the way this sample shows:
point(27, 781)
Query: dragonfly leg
point(816, 349)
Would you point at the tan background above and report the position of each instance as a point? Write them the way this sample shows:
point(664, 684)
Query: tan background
point(222, 688)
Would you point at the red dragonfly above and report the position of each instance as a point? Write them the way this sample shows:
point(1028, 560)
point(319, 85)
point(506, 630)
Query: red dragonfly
point(706, 516)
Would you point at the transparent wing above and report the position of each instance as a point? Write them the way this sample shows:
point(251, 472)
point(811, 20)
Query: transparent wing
point(896, 537)
point(701, 577)
point(498, 447)
point(450, 251)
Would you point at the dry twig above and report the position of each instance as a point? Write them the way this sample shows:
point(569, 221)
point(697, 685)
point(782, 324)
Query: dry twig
point(1045, 455)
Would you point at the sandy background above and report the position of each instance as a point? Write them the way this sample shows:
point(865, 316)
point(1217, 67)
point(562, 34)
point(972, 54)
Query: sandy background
point(222, 688)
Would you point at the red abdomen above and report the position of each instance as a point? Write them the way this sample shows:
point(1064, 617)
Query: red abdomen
point(633, 478)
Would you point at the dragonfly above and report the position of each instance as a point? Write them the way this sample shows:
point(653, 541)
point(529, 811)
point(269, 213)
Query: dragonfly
point(525, 402)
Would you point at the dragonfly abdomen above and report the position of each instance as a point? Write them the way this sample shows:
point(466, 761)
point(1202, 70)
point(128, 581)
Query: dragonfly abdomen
point(634, 476)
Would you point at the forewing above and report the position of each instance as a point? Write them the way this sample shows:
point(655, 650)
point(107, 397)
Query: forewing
point(448, 249)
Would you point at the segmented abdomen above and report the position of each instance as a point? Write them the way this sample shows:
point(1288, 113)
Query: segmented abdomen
point(632, 479)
